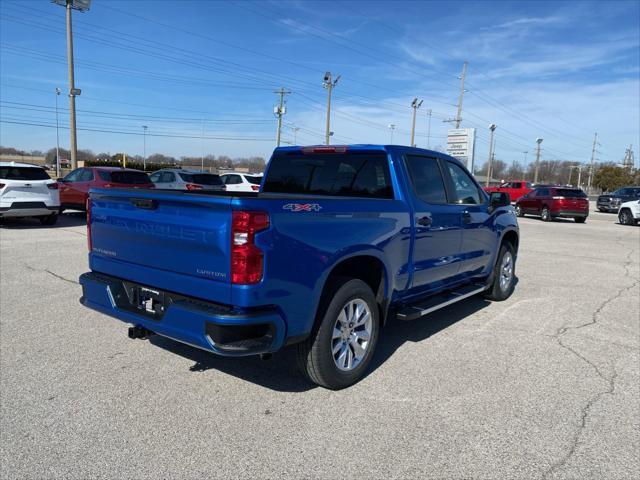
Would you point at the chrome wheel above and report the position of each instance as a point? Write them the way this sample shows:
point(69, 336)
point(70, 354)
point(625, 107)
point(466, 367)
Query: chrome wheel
point(518, 211)
point(545, 214)
point(506, 271)
point(351, 334)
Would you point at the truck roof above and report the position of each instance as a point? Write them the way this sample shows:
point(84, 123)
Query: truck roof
point(364, 147)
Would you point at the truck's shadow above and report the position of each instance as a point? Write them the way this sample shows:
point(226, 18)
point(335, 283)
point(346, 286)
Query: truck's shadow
point(67, 219)
point(280, 372)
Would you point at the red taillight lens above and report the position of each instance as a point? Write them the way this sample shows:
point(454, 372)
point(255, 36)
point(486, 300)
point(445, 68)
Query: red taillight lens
point(246, 258)
point(311, 150)
point(89, 242)
point(255, 188)
point(50, 186)
point(193, 186)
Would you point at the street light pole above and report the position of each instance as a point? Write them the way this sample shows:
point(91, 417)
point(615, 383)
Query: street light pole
point(429, 128)
point(392, 127)
point(82, 6)
point(535, 174)
point(415, 105)
point(492, 128)
point(295, 135)
point(57, 137)
point(144, 148)
point(328, 83)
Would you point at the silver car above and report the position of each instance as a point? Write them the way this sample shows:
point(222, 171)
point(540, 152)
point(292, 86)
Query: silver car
point(179, 179)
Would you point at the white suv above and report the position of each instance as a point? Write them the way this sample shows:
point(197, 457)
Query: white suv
point(241, 182)
point(27, 191)
point(629, 213)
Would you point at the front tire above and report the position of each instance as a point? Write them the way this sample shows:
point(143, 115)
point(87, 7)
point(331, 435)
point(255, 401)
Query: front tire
point(625, 217)
point(341, 346)
point(546, 215)
point(49, 219)
point(519, 212)
point(504, 275)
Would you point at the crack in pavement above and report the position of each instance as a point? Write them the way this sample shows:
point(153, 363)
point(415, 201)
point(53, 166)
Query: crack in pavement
point(60, 277)
point(610, 380)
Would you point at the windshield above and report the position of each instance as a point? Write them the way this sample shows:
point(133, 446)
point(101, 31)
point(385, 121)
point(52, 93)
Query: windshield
point(129, 178)
point(360, 174)
point(23, 173)
point(570, 193)
point(201, 178)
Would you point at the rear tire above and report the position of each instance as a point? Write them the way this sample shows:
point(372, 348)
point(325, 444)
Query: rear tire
point(324, 357)
point(49, 219)
point(580, 219)
point(504, 275)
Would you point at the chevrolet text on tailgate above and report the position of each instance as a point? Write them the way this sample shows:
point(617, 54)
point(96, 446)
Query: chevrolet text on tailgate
point(337, 241)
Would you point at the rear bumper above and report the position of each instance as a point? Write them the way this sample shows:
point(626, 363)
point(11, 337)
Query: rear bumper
point(217, 328)
point(28, 209)
point(570, 213)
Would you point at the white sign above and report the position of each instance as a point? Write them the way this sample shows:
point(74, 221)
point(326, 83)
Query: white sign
point(461, 144)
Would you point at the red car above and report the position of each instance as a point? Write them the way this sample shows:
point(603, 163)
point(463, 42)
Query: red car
point(515, 189)
point(74, 188)
point(554, 202)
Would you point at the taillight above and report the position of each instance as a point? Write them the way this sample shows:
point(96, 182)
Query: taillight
point(193, 186)
point(50, 186)
point(88, 208)
point(246, 258)
point(337, 149)
point(255, 188)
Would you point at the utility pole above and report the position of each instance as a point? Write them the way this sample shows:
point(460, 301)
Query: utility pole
point(295, 134)
point(202, 148)
point(535, 174)
point(279, 111)
point(525, 158)
point(329, 83)
point(57, 137)
point(492, 128)
point(462, 77)
point(593, 159)
point(415, 105)
point(144, 148)
point(429, 128)
point(392, 127)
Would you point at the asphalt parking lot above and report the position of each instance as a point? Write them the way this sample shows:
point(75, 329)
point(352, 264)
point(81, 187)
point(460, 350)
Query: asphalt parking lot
point(544, 385)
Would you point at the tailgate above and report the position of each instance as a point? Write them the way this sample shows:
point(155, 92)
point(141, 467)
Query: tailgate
point(166, 239)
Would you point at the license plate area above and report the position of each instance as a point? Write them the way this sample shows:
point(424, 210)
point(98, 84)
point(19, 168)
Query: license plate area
point(147, 301)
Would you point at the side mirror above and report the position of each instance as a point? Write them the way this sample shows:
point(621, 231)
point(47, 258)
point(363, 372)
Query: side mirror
point(499, 199)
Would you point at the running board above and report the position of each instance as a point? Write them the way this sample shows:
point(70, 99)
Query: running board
point(437, 302)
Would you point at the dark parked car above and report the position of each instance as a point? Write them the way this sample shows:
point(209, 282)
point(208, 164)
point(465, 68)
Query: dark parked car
point(610, 202)
point(74, 188)
point(554, 202)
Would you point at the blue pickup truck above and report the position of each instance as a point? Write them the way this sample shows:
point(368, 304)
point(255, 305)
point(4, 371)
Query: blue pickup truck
point(338, 240)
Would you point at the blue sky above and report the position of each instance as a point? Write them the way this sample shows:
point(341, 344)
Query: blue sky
point(556, 70)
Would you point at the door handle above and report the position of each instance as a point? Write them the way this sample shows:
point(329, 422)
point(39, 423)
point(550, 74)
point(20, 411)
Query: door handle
point(466, 217)
point(424, 221)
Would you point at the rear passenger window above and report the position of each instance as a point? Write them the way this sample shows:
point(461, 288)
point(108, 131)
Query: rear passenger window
point(23, 173)
point(465, 188)
point(427, 179)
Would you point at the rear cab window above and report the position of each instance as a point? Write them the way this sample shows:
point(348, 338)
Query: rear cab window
point(23, 173)
point(350, 174)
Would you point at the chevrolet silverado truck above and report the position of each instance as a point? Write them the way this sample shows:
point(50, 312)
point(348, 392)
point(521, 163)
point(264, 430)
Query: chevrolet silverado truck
point(515, 189)
point(338, 241)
